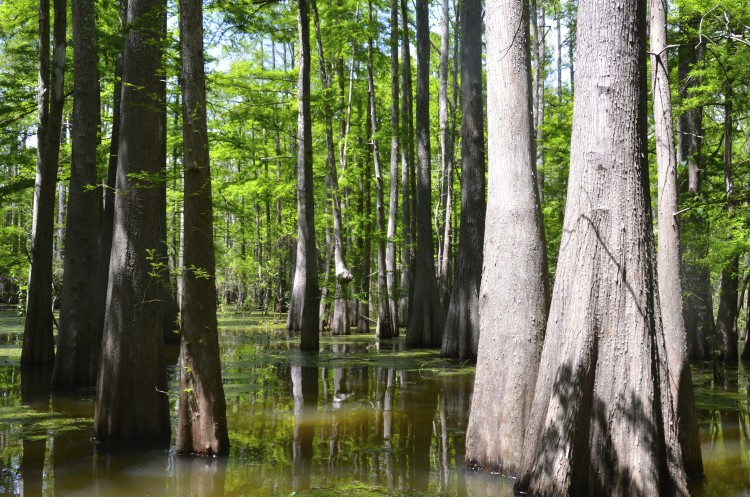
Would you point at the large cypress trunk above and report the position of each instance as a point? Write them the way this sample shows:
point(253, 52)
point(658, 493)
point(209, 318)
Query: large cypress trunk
point(461, 334)
point(602, 421)
point(38, 341)
point(303, 307)
point(426, 318)
point(78, 345)
point(513, 296)
point(202, 423)
point(668, 262)
point(132, 408)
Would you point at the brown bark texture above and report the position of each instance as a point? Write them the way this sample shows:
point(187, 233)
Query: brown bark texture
point(38, 342)
point(426, 318)
point(303, 307)
point(202, 419)
point(461, 333)
point(132, 407)
point(603, 421)
point(513, 297)
point(668, 254)
point(78, 337)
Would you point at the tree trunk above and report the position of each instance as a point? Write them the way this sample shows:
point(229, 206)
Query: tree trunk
point(132, 408)
point(202, 419)
point(407, 165)
point(426, 318)
point(668, 261)
point(443, 219)
point(537, 16)
point(602, 421)
point(461, 333)
point(78, 345)
point(726, 316)
point(303, 307)
point(340, 318)
point(513, 298)
point(698, 304)
point(108, 211)
point(390, 251)
point(385, 326)
point(363, 302)
point(38, 342)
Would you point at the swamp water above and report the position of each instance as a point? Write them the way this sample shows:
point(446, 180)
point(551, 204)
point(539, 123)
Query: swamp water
point(360, 419)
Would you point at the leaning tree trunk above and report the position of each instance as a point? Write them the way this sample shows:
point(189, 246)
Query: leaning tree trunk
point(668, 261)
point(407, 165)
point(390, 251)
point(385, 326)
point(38, 340)
point(132, 408)
point(426, 318)
point(202, 418)
point(303, 307)
point(461, 333)
point(602, 421)
point(513, 298)
point(78, 343)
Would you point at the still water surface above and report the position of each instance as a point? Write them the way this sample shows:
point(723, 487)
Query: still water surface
point(361, 419)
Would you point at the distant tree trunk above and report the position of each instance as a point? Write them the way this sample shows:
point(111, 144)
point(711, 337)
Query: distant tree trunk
point(303, 308)
point(363, 302)
point(446, 160)
point(132, 408)
point(537, 17)
point(513, 297)
point(38, 342)
point(698, 303)
point(407, 165)
point(390, 251)
point(385, 326)
point(602, 421)
point(340, 318)
point(78, 343)
point(202, 418)
point(426, 318)
point(461, 333)
point(668, 254)
point(726, 316)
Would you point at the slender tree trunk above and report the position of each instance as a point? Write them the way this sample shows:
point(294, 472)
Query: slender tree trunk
point(443, 218)
point(426, 318)
point(363, 303)
point(537, 17)
point(602, 421)
point(131, 406)
point(698, 303)
point(38, 342)
point(78, 345)
point(385, 326)
point(726, 316)
point(303, 308)
point(202, 419)
point(340, 318)
point(461, 333)
point(668, 261)
point(390, 251)
point(513, 297)
point(407, 165)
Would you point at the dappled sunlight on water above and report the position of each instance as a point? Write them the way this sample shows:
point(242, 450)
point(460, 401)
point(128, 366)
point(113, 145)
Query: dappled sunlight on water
point(362, 418)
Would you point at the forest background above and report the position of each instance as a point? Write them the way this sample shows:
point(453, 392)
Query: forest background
point(252, 52)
